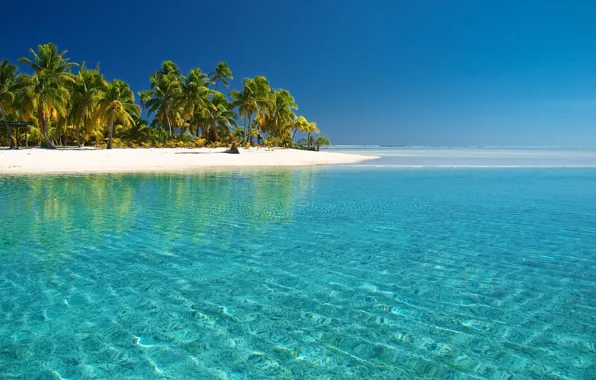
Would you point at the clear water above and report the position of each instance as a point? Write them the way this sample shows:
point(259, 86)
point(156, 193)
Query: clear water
point(313, 273)
point(505, 157)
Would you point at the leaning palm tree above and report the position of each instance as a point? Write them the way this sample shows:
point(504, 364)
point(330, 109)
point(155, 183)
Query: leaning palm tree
point(309, 129)
point(8, 89)
point(221, 74)
point(303, 125)
point(47, 88)
point(117, 103)
point(85, 92)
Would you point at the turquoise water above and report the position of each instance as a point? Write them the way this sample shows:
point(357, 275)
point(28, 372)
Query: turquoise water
point(348, 272)
point(488, 157)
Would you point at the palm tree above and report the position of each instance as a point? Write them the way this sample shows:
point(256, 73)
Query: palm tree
point(140, 131)
point(321, 141)
point(246, 102)
point(117, 103)
point(194, 97)
point(279, 120)
point(8, 89)
point(221, 74)
point(303, 125)
point(168, 68)
point(219, 115)
point(162, 99)
point(47, 88)
point(85, 92)
point(255, 98)
point(310, 128)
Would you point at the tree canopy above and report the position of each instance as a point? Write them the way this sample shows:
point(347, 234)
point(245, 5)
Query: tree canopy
point(71, 104)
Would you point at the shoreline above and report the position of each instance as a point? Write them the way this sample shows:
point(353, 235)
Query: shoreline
point(127, 160)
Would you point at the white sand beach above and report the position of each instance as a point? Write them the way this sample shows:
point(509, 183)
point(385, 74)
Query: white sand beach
point(90, 160)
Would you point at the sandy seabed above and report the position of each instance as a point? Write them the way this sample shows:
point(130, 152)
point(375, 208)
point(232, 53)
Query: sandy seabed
point(90, 160)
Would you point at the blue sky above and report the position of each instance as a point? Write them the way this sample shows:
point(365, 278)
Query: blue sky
point(418, 72)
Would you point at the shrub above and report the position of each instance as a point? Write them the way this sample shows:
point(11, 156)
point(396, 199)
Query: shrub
point(35, 137)
point(188, 137)
point(218, 144)
point(200, 142)
point(278, 141)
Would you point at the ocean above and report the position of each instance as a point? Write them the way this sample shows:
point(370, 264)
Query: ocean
point(428, 263)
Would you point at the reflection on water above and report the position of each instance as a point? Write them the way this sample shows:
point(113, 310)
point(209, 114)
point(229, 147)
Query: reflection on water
point(48, 215)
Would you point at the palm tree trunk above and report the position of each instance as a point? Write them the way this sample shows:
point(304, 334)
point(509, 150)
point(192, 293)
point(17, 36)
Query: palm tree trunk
point(8, 130)
point(169, 124)
point(214, 131)
point(244, 137)
point(111, 131)
point(249, 135)
point(49, 143)
point(79, 135)
point(44, 129)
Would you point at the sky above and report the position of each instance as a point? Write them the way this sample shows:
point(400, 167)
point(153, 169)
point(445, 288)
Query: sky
point(416, 72)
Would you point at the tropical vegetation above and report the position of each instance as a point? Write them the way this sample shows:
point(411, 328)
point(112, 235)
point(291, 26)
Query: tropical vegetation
point(61, 103)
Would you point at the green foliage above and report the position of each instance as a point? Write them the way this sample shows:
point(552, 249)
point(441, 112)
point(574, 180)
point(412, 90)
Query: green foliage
point(322, 141)
point(70, 106)
point(116, 104)
point(35, 137)
point(221, 75)
point(85, 93)
point(47, 90)
point(8, 89)
point(284, 142)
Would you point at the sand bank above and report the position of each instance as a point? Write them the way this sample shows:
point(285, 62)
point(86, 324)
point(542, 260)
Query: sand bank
point(90, 160)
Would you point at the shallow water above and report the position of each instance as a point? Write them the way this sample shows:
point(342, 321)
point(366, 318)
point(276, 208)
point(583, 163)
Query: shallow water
point(326, 273)
point(476, 157)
